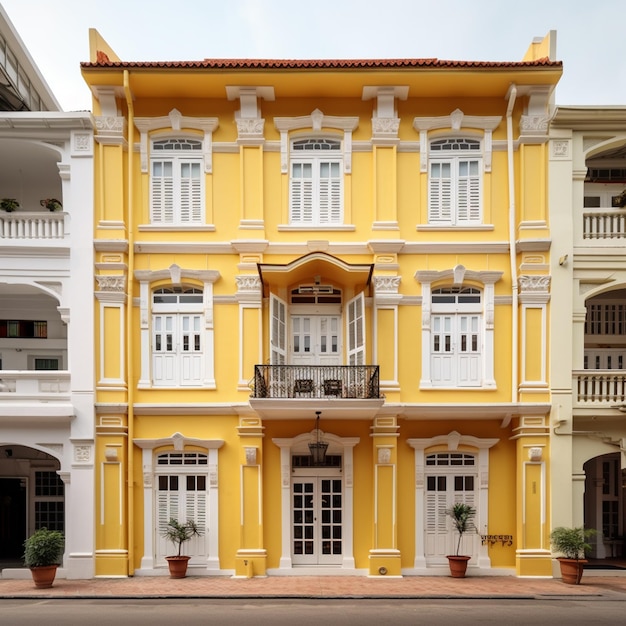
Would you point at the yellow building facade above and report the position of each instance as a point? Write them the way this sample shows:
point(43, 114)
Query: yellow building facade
point(322, 294)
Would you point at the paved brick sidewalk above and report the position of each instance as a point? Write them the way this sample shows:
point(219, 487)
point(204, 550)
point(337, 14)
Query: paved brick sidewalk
point(320, 587)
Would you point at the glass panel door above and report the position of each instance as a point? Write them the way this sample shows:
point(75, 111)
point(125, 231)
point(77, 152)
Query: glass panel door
point(317, 520)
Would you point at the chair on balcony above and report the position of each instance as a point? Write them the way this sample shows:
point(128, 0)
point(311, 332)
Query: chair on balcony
point(333, 387)
point(303, 386)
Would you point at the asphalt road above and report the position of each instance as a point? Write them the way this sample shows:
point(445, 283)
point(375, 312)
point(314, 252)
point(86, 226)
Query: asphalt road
point(360, 612)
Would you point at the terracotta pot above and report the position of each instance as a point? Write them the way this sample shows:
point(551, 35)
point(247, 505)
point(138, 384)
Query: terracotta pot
point(177, 565)
point(571, 570)
point(458, 565)
point(43, 576)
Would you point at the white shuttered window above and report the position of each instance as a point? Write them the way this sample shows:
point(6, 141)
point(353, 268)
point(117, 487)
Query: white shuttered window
point(455, 182)
point(176, 182)
point(316, 183)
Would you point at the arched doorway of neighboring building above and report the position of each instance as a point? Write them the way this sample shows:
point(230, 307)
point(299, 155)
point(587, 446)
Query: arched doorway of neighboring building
point(605, 507)
point(32, 496)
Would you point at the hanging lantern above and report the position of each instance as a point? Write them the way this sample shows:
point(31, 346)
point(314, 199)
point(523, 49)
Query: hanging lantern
point(319, 447)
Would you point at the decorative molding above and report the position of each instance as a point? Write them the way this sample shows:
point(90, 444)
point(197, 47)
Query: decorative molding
point(248, 283)
point(251, 453)
point(111, 283)
point(315, 122)
point(534, 283)
point(561, 148)
point(176, 122)
point(457, 121)
point(81, 145)
point(82, 453)
point(534, 124)
point(386, 284)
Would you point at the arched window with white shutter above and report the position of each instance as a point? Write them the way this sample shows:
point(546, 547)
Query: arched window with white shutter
point(176, 181)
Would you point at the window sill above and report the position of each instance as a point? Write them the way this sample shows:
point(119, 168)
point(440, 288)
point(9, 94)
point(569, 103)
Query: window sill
point(176, 227)
point(444, 227)
point(309, 227)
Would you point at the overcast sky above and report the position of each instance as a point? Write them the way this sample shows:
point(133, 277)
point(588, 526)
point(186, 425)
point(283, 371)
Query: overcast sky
point(590, 35)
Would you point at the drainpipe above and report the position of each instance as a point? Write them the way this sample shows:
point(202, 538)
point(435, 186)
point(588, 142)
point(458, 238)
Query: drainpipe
point(130, 370)
point(512, 95)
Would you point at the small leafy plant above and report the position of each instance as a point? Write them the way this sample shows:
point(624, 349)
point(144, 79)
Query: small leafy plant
point(179, 533)
point(571, 542)
point(462, 517)
point(52, 204)
point(9, 204)
point(44, 547)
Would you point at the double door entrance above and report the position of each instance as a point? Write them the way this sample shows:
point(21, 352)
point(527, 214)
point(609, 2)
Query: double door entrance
point(317, 520)
point(454, 480)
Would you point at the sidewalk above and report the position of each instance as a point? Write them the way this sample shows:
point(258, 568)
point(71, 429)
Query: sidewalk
point(501, 587)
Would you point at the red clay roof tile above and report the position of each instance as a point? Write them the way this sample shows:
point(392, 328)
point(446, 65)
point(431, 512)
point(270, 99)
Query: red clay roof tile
point(278, 64)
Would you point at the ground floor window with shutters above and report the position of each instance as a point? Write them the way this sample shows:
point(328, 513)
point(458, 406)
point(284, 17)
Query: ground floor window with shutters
point(181, 493)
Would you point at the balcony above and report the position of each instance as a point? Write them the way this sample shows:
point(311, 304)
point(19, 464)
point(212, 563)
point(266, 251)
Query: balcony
point(296, 391)
point(20, 226)
point(605, 224)
point(599, 388)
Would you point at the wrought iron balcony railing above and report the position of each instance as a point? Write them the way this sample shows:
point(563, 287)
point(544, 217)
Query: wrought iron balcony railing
point(316, 381)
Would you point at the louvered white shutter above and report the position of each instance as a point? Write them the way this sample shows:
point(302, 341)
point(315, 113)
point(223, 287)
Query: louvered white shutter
point(301, 192)
point(330, 193)
point(355, 330)
point(468, 192)
point(278, 331)
point(440, 193)
point(190, 192)
point(162, 192)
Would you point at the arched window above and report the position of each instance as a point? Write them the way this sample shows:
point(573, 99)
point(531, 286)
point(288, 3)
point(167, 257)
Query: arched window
point(176, 181)
point(316, 182)
point(455, 182)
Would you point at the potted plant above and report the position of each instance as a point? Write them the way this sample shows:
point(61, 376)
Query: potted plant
point(462, 516)
point(52, 204)
point(9, 204)
point(43, 551)
point(620, 200)
point(571, 543)
point(179, 533)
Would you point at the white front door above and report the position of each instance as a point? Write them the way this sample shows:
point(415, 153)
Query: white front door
point(446, 486)
point(317, 520)
point(182, 497)
point(315, 340)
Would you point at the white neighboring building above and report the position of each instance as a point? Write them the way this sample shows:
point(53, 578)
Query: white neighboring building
point(588, 322)
point(46, 317)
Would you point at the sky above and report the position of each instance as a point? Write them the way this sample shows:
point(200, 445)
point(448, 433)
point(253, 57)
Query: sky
point(590, 35)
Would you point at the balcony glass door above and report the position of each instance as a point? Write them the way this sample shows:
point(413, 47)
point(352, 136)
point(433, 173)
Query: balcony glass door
point(315, 340)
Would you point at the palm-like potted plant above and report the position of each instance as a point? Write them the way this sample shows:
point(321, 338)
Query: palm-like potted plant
point(43, 551)
point(9, 204)
point(179, 533)
point(572, 544)
point(462, 516)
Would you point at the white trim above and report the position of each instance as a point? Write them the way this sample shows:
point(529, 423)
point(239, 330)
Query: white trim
point(179, 442)
point(337, 445)
point(452, 441)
